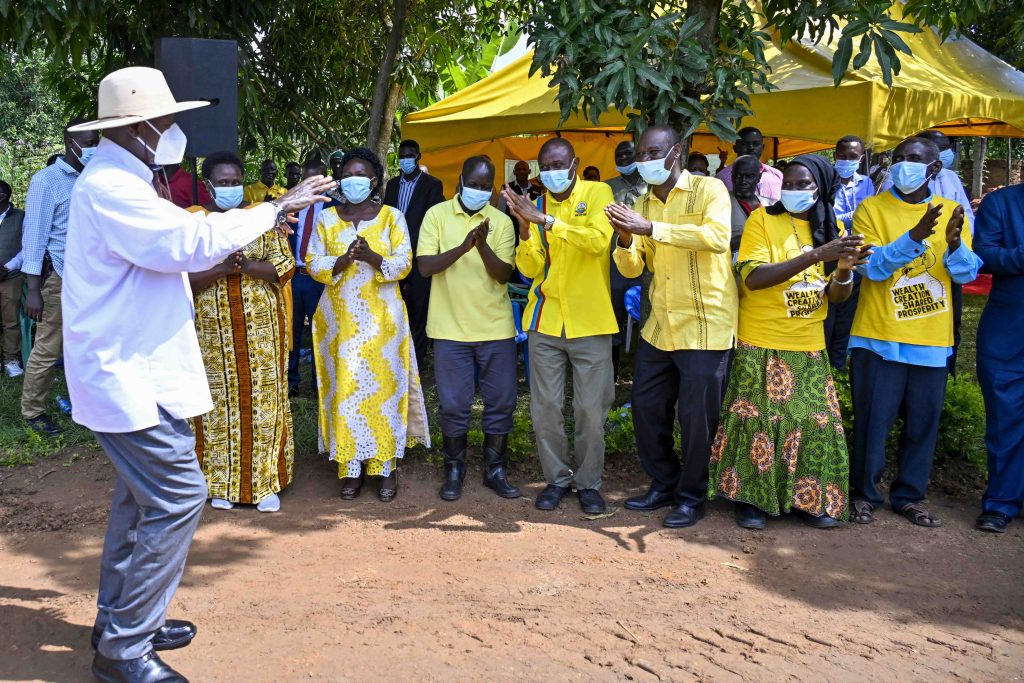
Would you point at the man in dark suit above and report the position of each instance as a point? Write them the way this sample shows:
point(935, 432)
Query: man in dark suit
point(999, 241)
point(412, 193)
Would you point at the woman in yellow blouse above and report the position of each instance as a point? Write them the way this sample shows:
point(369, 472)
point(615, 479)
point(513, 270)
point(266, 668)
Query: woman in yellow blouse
point(244, 444)
point(780, 444)
point(371, 403)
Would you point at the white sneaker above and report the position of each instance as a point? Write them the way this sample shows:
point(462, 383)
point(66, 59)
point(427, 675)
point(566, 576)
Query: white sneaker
point(221, 504)
point(13, 369)
point(269, 504)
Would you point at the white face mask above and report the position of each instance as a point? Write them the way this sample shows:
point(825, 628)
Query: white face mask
point(170, 148)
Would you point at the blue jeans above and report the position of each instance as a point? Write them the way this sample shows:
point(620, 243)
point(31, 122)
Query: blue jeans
point(306, 294)
point(455, 366)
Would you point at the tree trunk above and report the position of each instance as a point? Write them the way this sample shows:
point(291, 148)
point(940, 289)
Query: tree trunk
point(376, 130)
point(388, 123)
point(978, 172)
point(708, 11)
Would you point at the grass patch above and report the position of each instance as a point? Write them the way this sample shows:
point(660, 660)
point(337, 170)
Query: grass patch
point(19, 445)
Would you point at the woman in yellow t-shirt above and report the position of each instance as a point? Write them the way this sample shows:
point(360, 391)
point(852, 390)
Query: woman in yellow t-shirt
point(780, 443)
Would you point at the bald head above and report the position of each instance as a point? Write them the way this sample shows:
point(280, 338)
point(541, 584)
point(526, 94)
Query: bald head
point(556, 146)
point(665, 134)
point(556, 154)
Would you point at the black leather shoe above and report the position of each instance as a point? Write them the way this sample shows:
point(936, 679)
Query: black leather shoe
point(750, 516)
point(454, 467)
point(148, 668)
point(650, 501)
point(821, 522)
point(551, 496)
point(43, 425)
point(683, 516)
point(495, 461)
point(591, 501)
point(173, 634)
point(993, 522)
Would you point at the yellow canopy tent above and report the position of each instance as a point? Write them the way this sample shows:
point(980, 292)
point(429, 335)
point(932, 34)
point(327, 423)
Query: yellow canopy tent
point(954, 85)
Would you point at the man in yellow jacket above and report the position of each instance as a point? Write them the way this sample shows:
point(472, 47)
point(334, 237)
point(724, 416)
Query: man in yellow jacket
point(680, 230)
point(563, 247)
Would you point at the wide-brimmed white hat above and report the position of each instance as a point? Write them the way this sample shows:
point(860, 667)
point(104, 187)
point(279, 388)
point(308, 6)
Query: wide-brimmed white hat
point(134, 94)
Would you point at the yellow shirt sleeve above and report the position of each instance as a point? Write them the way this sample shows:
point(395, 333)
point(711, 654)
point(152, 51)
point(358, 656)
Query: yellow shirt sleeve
point(754, 248)
point(429, 241)
point(530, 255)
point(630, 260)
point(504, 243)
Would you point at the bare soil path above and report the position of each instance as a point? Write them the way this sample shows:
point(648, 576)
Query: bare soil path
point(487, 589)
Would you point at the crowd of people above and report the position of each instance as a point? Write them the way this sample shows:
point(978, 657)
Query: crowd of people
point(180, 313)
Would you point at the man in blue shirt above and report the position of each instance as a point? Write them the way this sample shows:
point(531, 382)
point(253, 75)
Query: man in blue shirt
point(999, 240)
point(853, 189)
point(43, 238)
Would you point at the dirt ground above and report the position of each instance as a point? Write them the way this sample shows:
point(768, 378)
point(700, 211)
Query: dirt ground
point(488, 589)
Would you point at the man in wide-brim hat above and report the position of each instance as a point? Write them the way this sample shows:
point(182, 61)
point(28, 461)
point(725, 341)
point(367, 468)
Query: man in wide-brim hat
point(132, 359)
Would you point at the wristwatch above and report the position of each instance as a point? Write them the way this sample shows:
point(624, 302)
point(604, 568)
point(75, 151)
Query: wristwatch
point(281, 215)
point(549, 222)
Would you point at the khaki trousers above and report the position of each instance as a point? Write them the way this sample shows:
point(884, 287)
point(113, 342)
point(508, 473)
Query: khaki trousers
point(48, 347)
point(10, 322)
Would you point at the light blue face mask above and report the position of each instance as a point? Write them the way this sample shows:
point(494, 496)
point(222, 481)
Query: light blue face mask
point(947, 157)
point(85, 153)
point(626, 170)
point(847, 167)
point(473, 199)
point(407, 165)
point(654, 172)
point(356, 189)
point(908, 176)
point(797, 201)
point(557, 181)
point(228, 197)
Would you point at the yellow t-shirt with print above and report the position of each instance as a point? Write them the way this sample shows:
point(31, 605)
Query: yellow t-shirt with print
point(914, 305)
point(258, 192)
point(789, 316)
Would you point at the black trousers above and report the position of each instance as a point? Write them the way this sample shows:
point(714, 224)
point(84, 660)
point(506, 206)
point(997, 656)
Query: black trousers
point(416, 292)
point(838, 325)
point(688, 385)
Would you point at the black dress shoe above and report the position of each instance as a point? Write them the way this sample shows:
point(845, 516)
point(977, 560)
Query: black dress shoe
point(148, 668)
point(551, 496)
point(820, 522)
point(454, 467)
point(683, 516)
point(495, 463)
point(993, 522)
point(173, 634)
point(591, 501)
point(650, 501)
point(750, 516)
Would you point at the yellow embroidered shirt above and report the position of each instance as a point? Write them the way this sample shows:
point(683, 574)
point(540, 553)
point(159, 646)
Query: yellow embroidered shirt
point(569, 265)
point(466, 303)
point(693, 293)
point(789, 316)
point(258, 192)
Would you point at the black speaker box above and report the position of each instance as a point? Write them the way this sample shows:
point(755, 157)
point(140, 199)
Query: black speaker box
point(202, 69)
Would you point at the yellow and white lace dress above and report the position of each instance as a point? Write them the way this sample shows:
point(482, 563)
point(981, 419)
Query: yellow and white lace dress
point(371, 402)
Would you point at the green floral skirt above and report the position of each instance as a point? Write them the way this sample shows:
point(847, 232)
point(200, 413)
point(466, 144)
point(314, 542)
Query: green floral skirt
point(780, 443)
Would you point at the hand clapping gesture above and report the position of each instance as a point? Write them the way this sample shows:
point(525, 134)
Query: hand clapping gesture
point(524, 211)
point(954, 228)
point(926, 226)
point(627, 222)
point(308, 192)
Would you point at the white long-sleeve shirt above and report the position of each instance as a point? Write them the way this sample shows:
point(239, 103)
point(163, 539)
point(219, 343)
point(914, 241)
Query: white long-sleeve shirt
point(130, 343)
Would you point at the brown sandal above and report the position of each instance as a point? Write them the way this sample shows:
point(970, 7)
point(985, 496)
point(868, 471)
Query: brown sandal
point(863, 512)
point(352, 486)
point(388, 487)
point(919, 515)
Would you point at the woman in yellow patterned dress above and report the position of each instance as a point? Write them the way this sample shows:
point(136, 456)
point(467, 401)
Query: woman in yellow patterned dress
point(371, 403)
point(244, 444)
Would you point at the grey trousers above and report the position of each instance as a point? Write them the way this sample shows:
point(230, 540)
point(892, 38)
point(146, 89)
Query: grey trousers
point(593, 393)
point(158, 500)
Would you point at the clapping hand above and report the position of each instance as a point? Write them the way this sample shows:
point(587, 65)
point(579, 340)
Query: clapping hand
point(846, 247)
point(848, 263)
point(522, 209)
point(926, 226)
point(626, 220)
point(954, 228)
point(480, 233)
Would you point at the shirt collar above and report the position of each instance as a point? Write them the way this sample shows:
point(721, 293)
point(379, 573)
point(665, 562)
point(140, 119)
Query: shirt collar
point(930, 197)
point(65, 166)
point(122, 158)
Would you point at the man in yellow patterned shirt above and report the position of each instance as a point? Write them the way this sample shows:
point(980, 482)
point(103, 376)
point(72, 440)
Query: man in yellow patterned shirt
point(266, 188)
point(680, 230)
point(563, 247)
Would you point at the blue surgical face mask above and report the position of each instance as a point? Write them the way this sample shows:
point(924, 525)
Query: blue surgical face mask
point(407, 165)
point(797, 201)
point(228, 197)
point(908, 176)
point(654, 172)
point(947, 157)
point(847, 167)
point(557, 181)
point(626, 170)
point(473, 199)
point(356, 188)
point(84, 154)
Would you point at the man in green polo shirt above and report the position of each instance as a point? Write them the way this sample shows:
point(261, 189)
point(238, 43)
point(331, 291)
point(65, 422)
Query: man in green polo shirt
point(466, 246)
